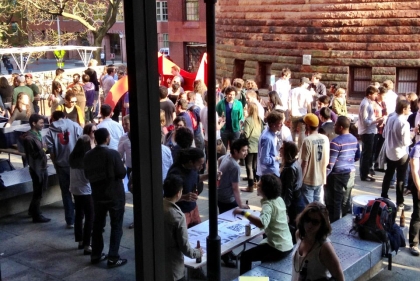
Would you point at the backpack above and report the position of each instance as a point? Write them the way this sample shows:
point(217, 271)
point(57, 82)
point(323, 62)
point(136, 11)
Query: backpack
point(195, 120)
point(377, 223)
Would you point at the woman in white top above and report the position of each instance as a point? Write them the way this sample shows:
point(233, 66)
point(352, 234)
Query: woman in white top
point(314, 256)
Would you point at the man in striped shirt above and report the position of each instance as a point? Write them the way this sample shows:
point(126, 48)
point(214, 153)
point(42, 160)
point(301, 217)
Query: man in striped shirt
point(344, 151)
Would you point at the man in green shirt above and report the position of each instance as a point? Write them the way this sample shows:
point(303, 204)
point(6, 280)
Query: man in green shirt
point(35, 90)
point(22, 88)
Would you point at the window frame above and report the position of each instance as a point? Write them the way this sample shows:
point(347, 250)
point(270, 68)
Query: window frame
point(359, 94)
point(398, 81)
point(161, 8)
point(191, 16)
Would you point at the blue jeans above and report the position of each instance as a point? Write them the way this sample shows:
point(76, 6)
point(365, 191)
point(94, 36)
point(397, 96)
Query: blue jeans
point(64, 181)
point(311, 193)
point(116, 215)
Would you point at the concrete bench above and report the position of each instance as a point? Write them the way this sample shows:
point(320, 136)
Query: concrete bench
point(17, 194)
point(360, 259)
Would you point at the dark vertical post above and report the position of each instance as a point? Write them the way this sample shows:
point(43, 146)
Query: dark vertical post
point(213, 240)
point(142, 67)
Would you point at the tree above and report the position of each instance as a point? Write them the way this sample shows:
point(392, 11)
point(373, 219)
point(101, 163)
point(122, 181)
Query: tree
point(94, 16)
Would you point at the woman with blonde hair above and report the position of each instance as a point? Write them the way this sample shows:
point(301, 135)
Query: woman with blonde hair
point(80, 95)
point(199, 90)
point(339, 103)
point(252, 129)
point(314, 250)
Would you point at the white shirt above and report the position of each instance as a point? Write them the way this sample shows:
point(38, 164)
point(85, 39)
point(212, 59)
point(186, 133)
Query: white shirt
point(366, 118)
point(397, 137)
point(115, 131)
point(390, 101)
point(107, 84)
point(299, 100)
point(283, 135)
point(124, 148)
point(282, 87)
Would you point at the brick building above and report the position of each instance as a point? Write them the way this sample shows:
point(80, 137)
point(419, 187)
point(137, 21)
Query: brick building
point(351, 43)
point(181, 27)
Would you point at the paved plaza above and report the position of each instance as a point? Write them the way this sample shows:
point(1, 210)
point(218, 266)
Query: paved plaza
point(48, 252)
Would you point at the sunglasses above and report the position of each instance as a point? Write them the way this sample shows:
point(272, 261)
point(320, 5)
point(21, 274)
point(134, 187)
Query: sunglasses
point(312, 221)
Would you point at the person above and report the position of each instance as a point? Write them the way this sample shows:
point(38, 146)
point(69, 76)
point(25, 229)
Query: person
point(313, 249)
point(30, 83)
point(314, 156)
point(105, 170)
point(397, 139)
point(71, 110)
point(114, 128)
point(181, 108)
point(195, 112)
point(339, 103)
point(190, 162)
point(22, 88)
point(268, 158)
point(82, 194)
point(199, 90)
point(324, 101)
point(59, 73)
point(61, 139)
point(414, 230)
point(344, 151)
point(22, 110)
point(253, 128)
point(89, 89)
point(367, 130)
point(170, 136)
point(37, 161)
point(89, 130)
point(273, 219)
point(108, 81)
point(124, 145)
point(184, 139)
point(56, 98)
point(175, 72)
point(274, 102)
point(379, 108)
point(320, 89)
point(232, 112)
point(327, 127)
point(251, 96)
point(283, 87)
point(238, 83)
point(175, 231)
point(80, 96)
point(291, 182)
point(76, 81)
point(6, 91)
point(228, 189)
point(390, 96)
point(166, 105)
point(299, 104)
point(94, 79)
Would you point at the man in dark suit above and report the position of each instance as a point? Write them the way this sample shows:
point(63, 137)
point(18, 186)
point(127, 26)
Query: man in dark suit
point(105, 170)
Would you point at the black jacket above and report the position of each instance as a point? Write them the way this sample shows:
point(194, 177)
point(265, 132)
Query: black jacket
point(105, 170)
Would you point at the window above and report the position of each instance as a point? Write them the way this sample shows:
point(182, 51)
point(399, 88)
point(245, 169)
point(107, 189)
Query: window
point(264, 73)
point(165, 39)
point(162, 11)
point(360, 79)
point(407, 80)
point(191, 10)
point(238, 68)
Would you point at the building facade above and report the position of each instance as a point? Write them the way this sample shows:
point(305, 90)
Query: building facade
point(352, 43)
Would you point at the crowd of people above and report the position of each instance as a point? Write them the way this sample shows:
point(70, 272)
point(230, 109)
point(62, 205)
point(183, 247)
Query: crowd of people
point(298, 146)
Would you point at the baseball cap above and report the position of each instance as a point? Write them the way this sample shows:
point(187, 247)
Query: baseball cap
point(311, 119)
point(21, 79)
point(305, 80)
point(28, 75)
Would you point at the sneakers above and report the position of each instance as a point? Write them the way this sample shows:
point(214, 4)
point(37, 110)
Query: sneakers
point(415, 251)
point(116, 263)
point(98, 260)
point(403, 206)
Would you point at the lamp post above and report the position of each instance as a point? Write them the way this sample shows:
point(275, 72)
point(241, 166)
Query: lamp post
point(121, 49)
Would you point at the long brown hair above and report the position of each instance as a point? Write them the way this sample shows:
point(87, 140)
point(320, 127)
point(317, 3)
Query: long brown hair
point(19, 104)
point(325, 228)
point(253, 112)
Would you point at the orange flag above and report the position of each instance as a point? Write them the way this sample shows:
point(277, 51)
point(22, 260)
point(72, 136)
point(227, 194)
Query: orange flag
point(117, 91)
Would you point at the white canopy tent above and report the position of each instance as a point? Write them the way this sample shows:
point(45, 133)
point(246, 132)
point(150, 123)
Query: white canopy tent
point(18, 54)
